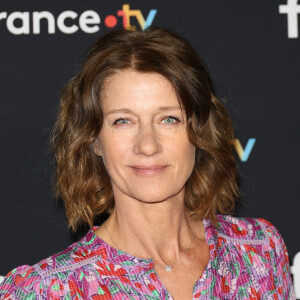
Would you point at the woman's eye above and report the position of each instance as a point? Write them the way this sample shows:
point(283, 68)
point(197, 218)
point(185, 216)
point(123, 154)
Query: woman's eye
point(167, 120)
point(170, 120)
point(121, 121)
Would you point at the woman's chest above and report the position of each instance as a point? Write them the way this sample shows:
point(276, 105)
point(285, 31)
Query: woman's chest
point(220, 280)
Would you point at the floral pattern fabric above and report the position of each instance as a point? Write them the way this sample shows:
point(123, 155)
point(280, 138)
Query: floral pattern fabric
point(248, 260)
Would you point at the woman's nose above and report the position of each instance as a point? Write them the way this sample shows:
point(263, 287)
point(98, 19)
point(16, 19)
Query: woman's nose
point(147, 141)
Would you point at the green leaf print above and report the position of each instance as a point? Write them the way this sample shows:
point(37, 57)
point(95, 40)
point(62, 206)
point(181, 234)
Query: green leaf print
point(155, 298)
point(55, 287)
point(62, 275)
point(91, 241)
point(247, 260)
point(20, 294)
point(149, 271)
point(263, 259)
point(260, 234)
point(67, 297)
point(242, 292)
point(114, 290)
point(204, 292)
point(155, 293)
point(9, 280)
point(215, 263)
point(14, 271)
point(81, 276)
point(100, 291)
point(127, 263)
point(30, 296)
point(237, 269)
point(213, 282)
point(63, 258)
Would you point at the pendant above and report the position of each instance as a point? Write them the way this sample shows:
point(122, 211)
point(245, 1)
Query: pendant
point(168, 268)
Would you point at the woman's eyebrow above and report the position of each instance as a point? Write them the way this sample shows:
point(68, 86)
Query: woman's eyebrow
point(128, 111)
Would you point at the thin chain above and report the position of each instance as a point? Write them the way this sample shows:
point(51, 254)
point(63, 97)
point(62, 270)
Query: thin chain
point(111, 237)
point(168, 268)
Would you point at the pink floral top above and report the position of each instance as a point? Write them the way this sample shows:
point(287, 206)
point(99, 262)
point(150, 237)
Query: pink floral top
point(248, 260)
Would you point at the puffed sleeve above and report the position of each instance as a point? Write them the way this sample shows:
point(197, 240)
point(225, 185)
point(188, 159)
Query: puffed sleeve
point(282, 280)
point(23, 282)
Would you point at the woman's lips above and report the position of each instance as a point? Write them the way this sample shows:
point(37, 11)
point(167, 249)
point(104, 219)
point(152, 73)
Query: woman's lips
point(149, 170)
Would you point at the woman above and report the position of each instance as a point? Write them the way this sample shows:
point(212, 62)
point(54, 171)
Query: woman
point(141, 135)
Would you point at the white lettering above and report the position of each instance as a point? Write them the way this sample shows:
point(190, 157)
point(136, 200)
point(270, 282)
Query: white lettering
point(295, 270)
point(36, 21)
point(3, 15)
point(89, 17)
point(24, 17)
point(20, 22)
point(292, 9)
point(61, 22)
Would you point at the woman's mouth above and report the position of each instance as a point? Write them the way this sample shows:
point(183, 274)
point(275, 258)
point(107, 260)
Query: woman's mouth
point(149, 170)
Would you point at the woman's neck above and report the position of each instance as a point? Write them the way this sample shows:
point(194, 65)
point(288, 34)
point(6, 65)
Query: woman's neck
point(160, 230)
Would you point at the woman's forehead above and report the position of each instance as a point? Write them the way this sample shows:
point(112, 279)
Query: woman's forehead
point(135, 90)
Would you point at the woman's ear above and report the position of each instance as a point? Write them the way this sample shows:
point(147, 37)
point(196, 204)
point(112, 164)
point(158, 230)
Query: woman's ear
point(97, 147)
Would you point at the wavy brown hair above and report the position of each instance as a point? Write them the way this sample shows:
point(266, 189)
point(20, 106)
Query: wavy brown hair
point(81, 179)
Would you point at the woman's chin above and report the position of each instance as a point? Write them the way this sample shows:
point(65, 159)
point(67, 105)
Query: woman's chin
point(151, 197)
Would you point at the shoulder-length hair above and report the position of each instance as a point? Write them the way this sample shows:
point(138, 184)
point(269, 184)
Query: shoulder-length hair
point(81, 179)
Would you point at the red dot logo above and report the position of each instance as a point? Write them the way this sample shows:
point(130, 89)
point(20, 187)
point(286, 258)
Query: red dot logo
point(110, 21)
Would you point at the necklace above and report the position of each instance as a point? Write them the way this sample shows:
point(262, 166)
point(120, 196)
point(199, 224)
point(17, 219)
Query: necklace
point(167, 268)
point(111, 238)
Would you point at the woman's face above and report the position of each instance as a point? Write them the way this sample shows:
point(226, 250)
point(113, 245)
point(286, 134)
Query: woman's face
point(143, 141)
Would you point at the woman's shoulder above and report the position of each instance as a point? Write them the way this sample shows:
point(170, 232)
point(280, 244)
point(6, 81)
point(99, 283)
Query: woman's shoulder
point(23, 280)
point(34, 280)
point(257, 246)
point(255, 235)
point(247, 230)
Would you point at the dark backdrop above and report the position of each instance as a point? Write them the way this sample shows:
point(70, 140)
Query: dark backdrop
point(254, 64)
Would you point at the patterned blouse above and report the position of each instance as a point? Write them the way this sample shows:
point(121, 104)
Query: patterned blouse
point(248, 260)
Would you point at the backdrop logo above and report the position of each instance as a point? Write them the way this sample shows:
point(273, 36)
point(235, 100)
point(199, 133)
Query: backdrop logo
point(295, 270)
point(244, 153)
point(69, 21)
point(111, 21)
point(291, 9)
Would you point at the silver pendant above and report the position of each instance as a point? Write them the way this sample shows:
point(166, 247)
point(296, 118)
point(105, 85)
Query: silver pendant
point(168, 268)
